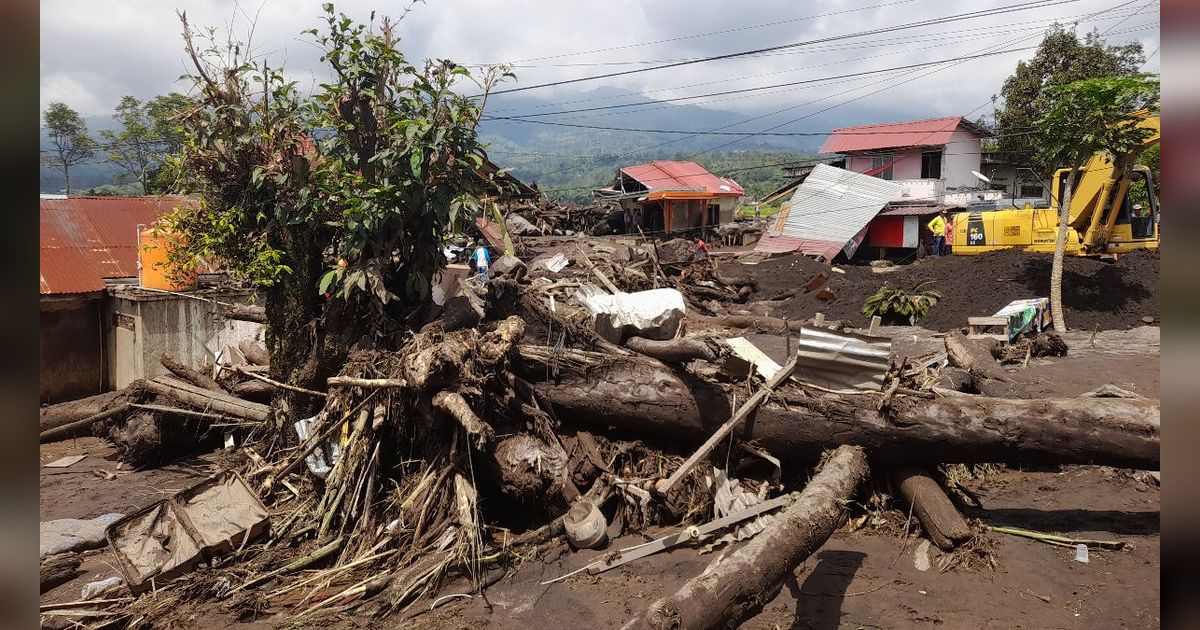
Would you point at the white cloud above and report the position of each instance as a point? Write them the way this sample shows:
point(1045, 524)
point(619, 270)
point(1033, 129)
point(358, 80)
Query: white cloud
point(95, 52)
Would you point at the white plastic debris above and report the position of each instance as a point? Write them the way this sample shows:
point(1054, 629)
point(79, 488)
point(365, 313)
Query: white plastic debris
point(653, 314)
point(318, 464)
point(1081, 553)
point(102, 589)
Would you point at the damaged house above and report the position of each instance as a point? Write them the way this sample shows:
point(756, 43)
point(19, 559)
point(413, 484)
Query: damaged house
point(879, 186)
point(665, 196)
point(107, 312)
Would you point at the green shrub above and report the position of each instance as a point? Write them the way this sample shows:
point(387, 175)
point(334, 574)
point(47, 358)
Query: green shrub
point(899, 306)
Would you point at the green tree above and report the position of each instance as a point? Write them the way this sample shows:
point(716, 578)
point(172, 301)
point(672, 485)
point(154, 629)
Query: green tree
point(1084, 118)
point(69, 137)
point(133, 148)
point(347, 193)
point(150, 132)
point(1061, 58)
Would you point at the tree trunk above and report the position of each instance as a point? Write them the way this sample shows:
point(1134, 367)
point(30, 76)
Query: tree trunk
point(644, 396)
point(79, 427)
point(1060, 245)
point(254, 352)
point(58, 569)
point(728, 593)
point(188, 374)
point(210, 401)
point(246, 312)
point(678, 350)
point(54, 416)
point(936, 513)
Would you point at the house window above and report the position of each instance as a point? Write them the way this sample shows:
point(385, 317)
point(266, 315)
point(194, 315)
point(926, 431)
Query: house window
point(878, 161)
point(931, 165)
point(1031, 190)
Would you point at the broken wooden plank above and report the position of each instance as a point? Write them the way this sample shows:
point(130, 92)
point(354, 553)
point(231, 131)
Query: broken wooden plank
point(743, 412)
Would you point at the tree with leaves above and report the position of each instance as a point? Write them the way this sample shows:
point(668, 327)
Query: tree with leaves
point(1082, 119)
point(70, 140)
point(337, 203)
point(149, 133)
point(1061, 58)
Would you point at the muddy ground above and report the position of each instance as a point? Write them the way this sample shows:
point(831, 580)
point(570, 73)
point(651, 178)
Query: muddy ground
point(1096, 293)
point(869, 577)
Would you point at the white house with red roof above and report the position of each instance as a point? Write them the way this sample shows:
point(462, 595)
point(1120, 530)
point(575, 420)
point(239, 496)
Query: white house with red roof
point(671, 196)
point(930, 159)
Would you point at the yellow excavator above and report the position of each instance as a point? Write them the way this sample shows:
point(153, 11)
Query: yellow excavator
point(1111, 213)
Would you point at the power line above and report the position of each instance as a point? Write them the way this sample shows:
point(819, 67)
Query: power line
point(526, 117)
point(708, 34)
point(814, 113)
point(1035, 4)
point(837, 47)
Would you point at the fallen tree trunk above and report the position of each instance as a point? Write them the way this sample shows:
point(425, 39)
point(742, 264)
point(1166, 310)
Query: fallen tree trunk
point(987, 376)
point(209, 401)
point(246, 312)
point(254, 352)
point(53, 416)
point(645, 396)
point(79, 427)
point(937, 515)
point(188, 374)
point(253, 390)
point(678, 350)
point(731, 591)
point(58, 569)
point(757, 322)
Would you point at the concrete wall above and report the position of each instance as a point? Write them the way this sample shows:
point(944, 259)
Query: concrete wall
point(146, 326)
point(963, 155)
point(72, 348)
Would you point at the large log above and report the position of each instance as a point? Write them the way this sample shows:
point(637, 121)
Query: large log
point(246, 312)
point(254, 352)
point(732, 590)
point(188, 374)
point(645, 396)
point(80, 427)
point(679, 350)
point(54, 416)
point(933, 509)
point(208, 401)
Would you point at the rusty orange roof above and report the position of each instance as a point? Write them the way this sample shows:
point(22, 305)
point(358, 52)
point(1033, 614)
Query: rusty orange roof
point(917, 133)
point(689, 175)
point(87, 239)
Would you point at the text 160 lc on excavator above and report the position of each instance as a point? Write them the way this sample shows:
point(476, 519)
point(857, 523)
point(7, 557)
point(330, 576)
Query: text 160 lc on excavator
point(1112, 212)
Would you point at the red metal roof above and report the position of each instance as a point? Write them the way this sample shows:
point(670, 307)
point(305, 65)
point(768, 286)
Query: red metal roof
point(917, 133)
point(666, 174)
point(87, 239)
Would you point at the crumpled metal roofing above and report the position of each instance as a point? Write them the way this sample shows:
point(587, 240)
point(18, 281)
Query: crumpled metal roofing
point(917, 133)
point(829, 209)
point(668, 174)
point(87, 239)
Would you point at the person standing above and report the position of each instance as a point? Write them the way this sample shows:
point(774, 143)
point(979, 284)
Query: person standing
point(482, 259)
point(938, 226)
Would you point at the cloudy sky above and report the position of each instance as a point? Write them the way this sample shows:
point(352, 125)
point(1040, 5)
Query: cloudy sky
point(93, 52)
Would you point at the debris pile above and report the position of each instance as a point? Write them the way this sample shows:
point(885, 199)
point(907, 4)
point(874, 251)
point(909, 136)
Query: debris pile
point(591, 392)
point(1096, 293)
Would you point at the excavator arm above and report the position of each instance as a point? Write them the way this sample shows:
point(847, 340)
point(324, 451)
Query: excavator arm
point(1100, 191)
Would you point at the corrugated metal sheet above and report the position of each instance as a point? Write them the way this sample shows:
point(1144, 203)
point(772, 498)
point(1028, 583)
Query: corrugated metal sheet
point(917, 133)
point(86, 239)
point(904, 211)
point(685, 175)
point(842, 359)
point(827, 211)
